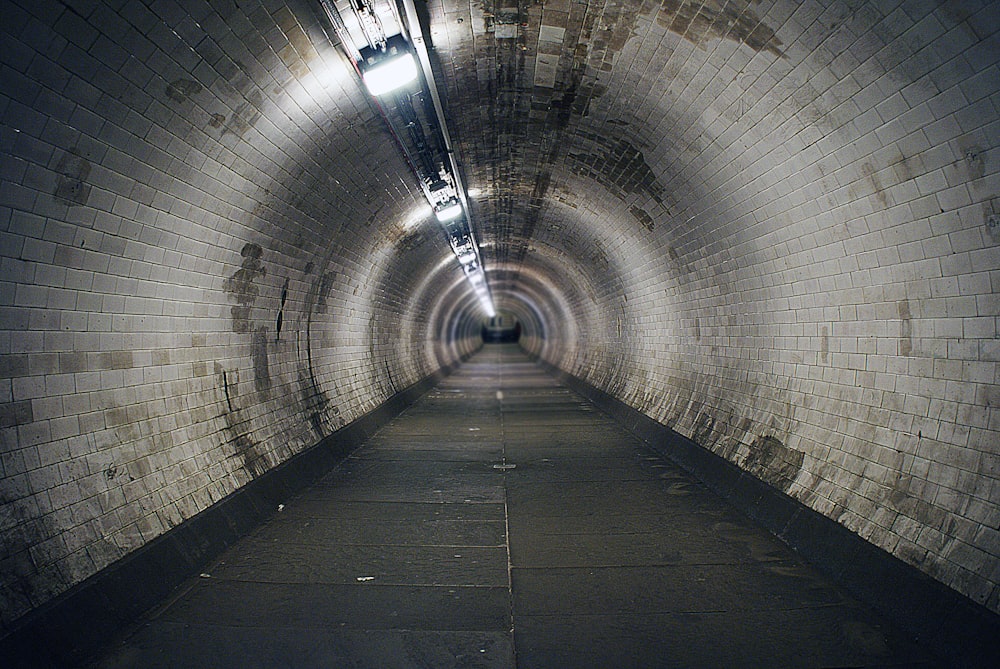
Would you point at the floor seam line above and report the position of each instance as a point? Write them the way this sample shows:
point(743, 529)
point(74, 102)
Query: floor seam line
point(506, 515)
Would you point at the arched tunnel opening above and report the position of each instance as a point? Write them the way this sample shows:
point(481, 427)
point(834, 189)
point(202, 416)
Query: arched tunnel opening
point(276, 264)
point(504, 328)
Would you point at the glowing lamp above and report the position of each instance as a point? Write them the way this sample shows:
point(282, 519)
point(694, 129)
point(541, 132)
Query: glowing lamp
point(385, 71)
point(448, 211)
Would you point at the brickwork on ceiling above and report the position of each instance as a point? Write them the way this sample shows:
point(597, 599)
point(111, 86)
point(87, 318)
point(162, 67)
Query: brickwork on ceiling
point(198, 280)
point(787, 218)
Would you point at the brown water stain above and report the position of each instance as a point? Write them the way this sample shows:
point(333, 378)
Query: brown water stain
point(699, 22)
point(640, 215)
point(869, 171)
point(241, 286)
point(319, 292)
point(299, 53)
point(261, 363)
point(182, 90)
point(905, 327)
point(773, 462)
point(619, 166)
point(13, 414)
point(245, 115)
point(975, 162)
point(316, 404)
point(703, 427)
point(71, 185)
point(246, 450)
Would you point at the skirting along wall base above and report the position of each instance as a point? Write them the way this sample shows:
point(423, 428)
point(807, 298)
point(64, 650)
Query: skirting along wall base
point(73, 627)
point(949, 624)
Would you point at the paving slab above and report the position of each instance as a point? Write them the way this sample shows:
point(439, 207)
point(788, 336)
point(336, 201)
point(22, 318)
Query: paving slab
point(502, 521)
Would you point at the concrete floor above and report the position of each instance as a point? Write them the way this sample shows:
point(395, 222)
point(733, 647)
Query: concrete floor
point(502, 521)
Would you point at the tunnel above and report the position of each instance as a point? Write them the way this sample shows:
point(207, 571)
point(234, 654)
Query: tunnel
point(762, 237)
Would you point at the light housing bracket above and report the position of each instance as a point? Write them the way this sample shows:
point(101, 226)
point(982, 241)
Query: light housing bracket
point(389, 69)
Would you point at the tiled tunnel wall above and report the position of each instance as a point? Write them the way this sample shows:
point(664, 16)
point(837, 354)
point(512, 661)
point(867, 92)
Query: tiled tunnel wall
point(772, 228)
point(194, 289)
point(810, 287)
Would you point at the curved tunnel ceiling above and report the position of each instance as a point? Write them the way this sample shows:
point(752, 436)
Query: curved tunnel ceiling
point(771, 226)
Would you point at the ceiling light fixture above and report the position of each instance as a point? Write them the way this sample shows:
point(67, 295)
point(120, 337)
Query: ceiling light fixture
point(386, 70)
point(385, 40)
point(448, 211)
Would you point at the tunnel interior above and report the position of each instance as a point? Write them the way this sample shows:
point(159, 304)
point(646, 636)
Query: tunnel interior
point(504, 328)
point(772, 227)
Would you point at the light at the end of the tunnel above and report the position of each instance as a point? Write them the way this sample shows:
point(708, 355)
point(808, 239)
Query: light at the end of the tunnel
point(448, 211)
point(390, 74)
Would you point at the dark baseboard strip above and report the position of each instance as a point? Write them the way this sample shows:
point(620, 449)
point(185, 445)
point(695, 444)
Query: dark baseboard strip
point(956, 629)
point(74, 627)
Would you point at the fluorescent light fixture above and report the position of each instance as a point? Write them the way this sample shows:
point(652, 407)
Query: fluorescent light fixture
point(385, 70)
point(467, 258)
point(488, 308)
point(448, 211)
point(476, 279)
point(390, 74)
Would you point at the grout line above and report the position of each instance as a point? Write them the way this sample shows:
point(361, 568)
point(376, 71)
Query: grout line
point(506, 514)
